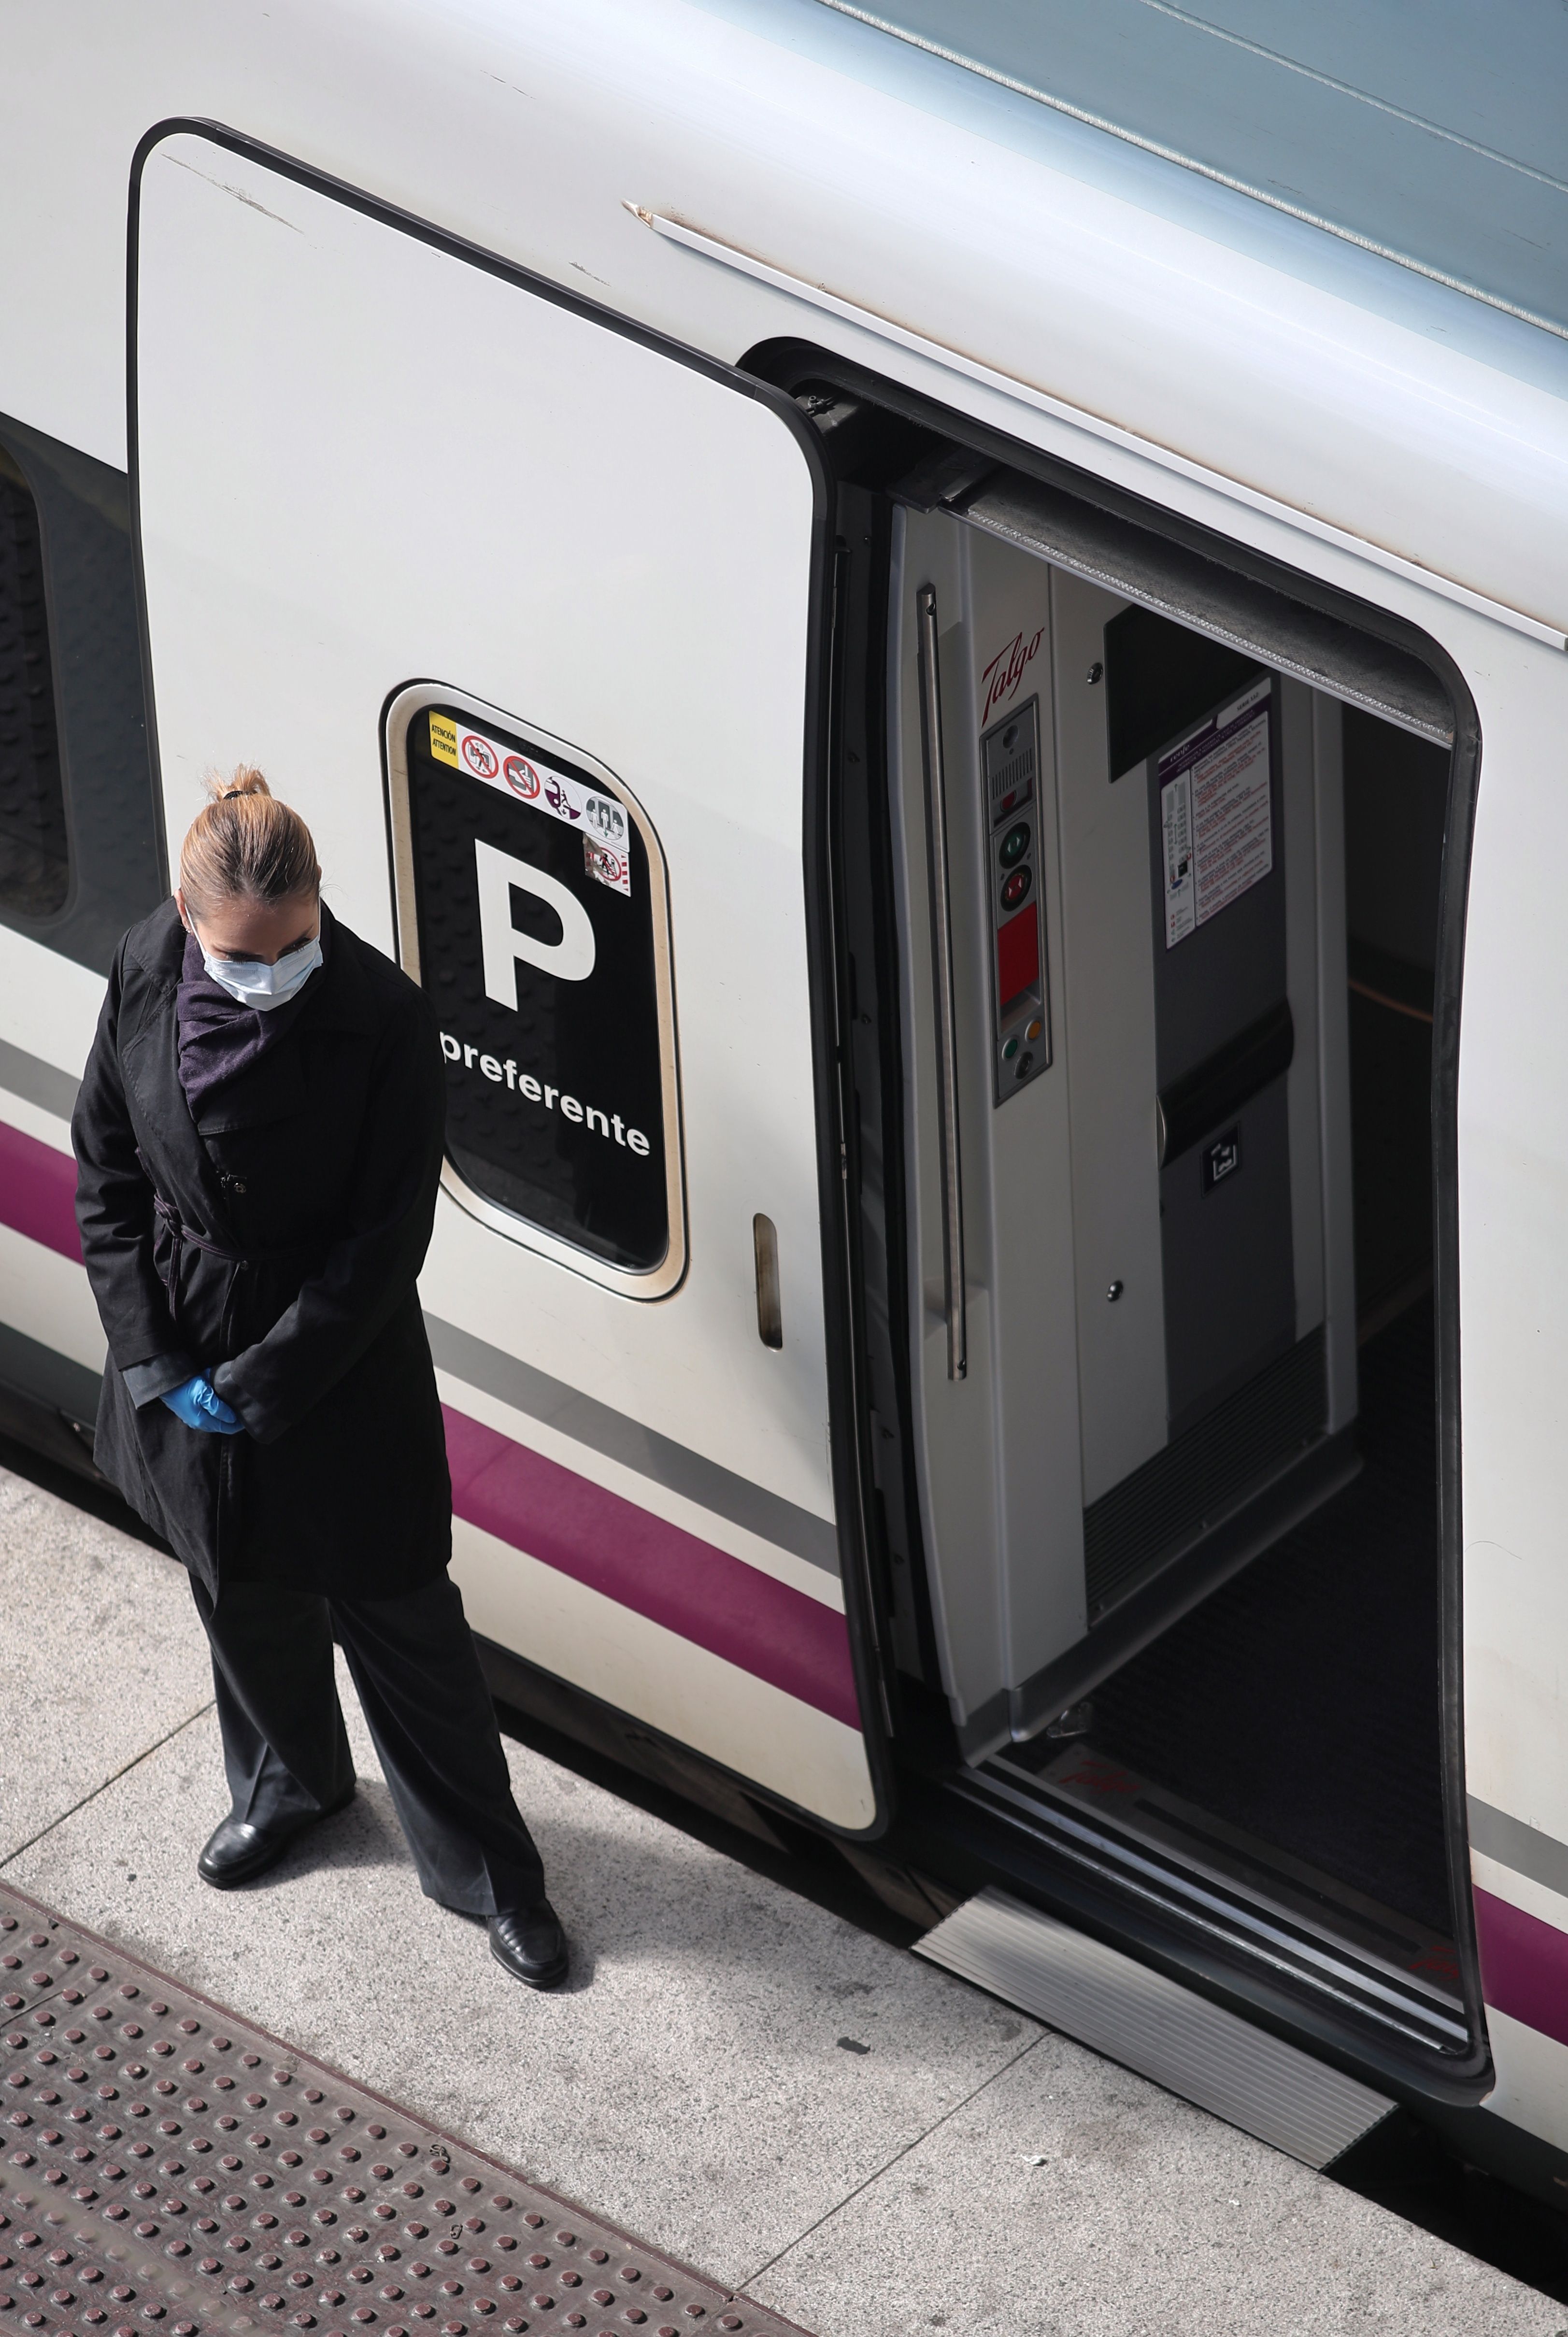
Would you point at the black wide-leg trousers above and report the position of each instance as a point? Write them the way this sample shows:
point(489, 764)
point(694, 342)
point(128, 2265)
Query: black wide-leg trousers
point(416, 1671)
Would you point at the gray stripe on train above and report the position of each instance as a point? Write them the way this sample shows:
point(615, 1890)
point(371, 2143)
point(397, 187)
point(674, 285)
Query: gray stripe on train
point(36, 1081)
point(619, 1437)
point(1523, 1847)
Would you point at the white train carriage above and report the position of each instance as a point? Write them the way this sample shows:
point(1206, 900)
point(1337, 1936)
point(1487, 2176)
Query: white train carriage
point(942, 640)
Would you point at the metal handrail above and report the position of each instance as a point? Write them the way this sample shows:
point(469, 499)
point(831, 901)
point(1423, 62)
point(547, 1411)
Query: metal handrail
point(942, 967)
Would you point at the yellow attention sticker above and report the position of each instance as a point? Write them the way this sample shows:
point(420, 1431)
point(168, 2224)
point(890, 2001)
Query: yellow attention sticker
point(444, 738)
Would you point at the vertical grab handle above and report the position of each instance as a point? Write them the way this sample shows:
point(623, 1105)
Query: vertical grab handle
point(942, 966)
point(769, 1305)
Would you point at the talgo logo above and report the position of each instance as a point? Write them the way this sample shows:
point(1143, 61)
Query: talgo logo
point(1006, 671)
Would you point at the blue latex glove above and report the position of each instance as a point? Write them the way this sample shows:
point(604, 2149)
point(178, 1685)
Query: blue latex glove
point(199, 1405)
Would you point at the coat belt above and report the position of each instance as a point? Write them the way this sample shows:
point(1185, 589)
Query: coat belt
point(180, 1235)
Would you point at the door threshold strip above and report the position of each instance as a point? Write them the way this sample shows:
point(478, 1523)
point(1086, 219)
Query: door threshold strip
point(1285, 1950)
point(1130, 1808)
point(167, 2167)
point(1152, 2024)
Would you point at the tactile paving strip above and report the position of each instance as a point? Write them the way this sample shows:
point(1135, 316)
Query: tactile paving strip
point(167, 2170)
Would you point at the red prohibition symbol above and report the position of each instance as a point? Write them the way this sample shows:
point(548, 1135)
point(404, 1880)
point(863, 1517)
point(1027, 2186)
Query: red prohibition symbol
point(480, 758)
point(519, 777)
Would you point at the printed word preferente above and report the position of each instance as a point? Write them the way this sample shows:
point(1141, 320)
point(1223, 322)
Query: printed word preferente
point(535, 1091)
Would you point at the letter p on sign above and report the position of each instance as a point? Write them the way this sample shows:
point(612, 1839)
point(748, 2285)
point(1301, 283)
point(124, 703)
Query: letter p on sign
point(571, 959)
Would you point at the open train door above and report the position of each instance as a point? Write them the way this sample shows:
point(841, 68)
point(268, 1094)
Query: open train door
point(521, 608)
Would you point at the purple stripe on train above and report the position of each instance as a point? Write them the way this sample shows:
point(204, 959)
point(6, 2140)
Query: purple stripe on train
point(659, 1571)
point(562, 1519)
point(38, 1192)
point(1524, 1965)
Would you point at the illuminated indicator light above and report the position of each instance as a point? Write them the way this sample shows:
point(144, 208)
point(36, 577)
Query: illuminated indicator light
point(1014, 845)
point(1034, 1028)
point(1018, 955)
point(1015, 889)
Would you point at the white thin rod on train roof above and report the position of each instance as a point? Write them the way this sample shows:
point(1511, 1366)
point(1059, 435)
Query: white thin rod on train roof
point(799, 287)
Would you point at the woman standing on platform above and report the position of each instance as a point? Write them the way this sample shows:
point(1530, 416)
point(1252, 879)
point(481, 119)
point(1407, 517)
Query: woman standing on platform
point(258, 1139)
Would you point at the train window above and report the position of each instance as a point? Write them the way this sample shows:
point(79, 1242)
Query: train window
point(34, 868)
point(532, 908)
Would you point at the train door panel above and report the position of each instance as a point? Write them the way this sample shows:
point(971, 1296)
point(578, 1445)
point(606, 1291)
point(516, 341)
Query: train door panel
point(975, 755)
point(1139, 1122)
point(509, 598)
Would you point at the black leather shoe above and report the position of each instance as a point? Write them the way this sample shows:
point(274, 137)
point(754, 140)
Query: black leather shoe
point(531, 1944)
point(237, 1852)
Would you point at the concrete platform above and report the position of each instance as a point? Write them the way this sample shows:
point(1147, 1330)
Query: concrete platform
point(969, 2171)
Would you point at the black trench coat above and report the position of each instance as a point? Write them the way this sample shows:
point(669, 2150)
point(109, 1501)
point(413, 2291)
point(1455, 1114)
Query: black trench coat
point(274, 1242)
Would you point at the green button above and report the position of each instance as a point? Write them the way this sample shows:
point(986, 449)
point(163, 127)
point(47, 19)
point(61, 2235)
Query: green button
point(1009, 1051)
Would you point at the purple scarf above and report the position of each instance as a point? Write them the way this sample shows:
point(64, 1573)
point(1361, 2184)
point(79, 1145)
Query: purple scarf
point(219, 1037)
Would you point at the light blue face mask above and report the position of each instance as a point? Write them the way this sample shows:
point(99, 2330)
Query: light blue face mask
point(265, 986)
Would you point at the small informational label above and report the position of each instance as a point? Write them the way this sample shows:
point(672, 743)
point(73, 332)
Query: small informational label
point(1216, 813)
point(1223, 1158)
point(605, 827)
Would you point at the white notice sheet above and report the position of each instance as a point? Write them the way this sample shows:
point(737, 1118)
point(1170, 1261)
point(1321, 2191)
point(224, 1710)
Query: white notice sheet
point(1216, 819)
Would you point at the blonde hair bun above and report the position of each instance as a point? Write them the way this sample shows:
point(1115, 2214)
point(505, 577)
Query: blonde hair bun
point(245, 779)
point(243, 845)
